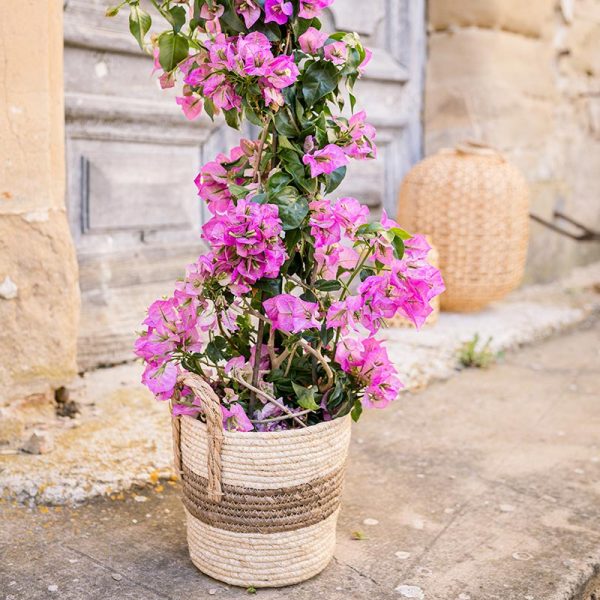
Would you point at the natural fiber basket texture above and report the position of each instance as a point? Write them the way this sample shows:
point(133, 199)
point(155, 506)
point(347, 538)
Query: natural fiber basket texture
point(433, 258)
point(475, 207)
point(270, 519)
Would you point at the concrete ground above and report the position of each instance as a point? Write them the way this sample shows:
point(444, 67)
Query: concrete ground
point(483, 487)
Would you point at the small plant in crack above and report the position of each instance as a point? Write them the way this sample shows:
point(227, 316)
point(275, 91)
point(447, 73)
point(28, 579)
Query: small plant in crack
point(474, 354)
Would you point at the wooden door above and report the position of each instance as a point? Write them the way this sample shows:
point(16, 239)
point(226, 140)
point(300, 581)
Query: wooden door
point(132, 158)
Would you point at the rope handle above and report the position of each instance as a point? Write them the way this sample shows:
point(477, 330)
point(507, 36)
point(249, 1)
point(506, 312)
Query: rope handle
point(211, 407)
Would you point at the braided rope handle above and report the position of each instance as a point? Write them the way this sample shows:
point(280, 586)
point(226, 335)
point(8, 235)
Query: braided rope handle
point(211, 407)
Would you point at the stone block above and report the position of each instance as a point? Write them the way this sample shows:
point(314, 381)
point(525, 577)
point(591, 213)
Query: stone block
point(533, 18)
point(11, 428)
point(583, 43)
point(40, 442)
point(492, 60)
point(40, 323)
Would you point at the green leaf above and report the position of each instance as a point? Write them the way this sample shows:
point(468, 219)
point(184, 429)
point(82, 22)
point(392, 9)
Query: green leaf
point(293, 208)
point(232, 118)
point(231, 19)
point(292, 237)
point(270, 287)
point(319, 79)
point(209, 108)
point(277, 181)
point(306, 397)
point(215, 350)
point(294, 166)
point(398, 247)
point(261, 198)
point(176, 16)
point(139, 24)
point(370, 228)
point(356, 411)
point(238, 191)
point(173, 48)
point(401, 233)
point(352, 101)
point(328, 285)
point(334, 179)
point(285, 123)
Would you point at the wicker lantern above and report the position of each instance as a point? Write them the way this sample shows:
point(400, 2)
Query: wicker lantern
point(475, 207)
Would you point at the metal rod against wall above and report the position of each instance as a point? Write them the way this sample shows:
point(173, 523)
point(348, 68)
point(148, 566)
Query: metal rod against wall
point(585, 234)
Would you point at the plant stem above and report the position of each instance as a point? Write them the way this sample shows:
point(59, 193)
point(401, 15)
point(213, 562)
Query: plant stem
point(270, 399)
point(257, 354)
point(280, 418)
point(261, 145)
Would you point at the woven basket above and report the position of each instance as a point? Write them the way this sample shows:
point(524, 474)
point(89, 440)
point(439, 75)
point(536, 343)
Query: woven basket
point(433, 258)
point(475, 207)
point(261, 507)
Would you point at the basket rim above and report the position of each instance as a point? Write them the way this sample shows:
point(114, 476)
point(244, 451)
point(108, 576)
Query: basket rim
point(271, 435)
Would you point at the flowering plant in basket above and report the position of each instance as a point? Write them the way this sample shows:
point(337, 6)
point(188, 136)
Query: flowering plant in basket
point(280, 316)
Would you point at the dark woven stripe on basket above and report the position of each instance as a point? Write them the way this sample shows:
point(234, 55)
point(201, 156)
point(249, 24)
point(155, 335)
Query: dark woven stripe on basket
point(249, 510)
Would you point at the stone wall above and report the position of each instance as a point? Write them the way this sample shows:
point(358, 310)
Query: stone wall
point(525, 78)
point(39, 298)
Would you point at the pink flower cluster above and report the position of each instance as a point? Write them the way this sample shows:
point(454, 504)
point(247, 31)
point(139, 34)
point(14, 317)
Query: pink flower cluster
point(367, 360)
point(228, 62)
point(291, 314)
point(406, 288)
point(175, 325)
point(246, 243)
point(215, 176)
point(356, 139)
point(330, 222)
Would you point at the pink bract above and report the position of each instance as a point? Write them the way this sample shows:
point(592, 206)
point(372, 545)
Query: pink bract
point(325, 161)
point(291, 314)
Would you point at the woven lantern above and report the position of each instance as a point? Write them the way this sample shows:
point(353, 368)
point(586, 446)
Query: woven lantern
point(433, 258)
point(475, 207)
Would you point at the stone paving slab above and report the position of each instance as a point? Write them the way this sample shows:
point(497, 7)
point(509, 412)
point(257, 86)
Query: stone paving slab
point(482, 487)
point(123, 437)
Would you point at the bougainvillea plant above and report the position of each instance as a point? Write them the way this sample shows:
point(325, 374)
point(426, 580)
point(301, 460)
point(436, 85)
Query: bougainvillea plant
point(281, 314)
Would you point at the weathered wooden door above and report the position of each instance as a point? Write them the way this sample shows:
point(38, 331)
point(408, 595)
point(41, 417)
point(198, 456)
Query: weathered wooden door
point(132, 157)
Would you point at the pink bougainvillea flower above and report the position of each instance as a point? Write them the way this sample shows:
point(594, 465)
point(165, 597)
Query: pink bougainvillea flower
point(246, 243)
point(326, 160)
point(282, 72)
point(345, 313)
point(160, 378)
point(383, 296)
point(191, 106)
point(250, 11)
point(212, 25)
point(362, 137)
point(416, 249)
point(331, 258)
point(336, 52)
point(350, 214)
point(311, 40)
point(380, 395)
point(235, 418)
point(312, 8)
point(278, 11)
point(291, 314)
point(273, 98)
point(367, 360)
point(324, 227)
